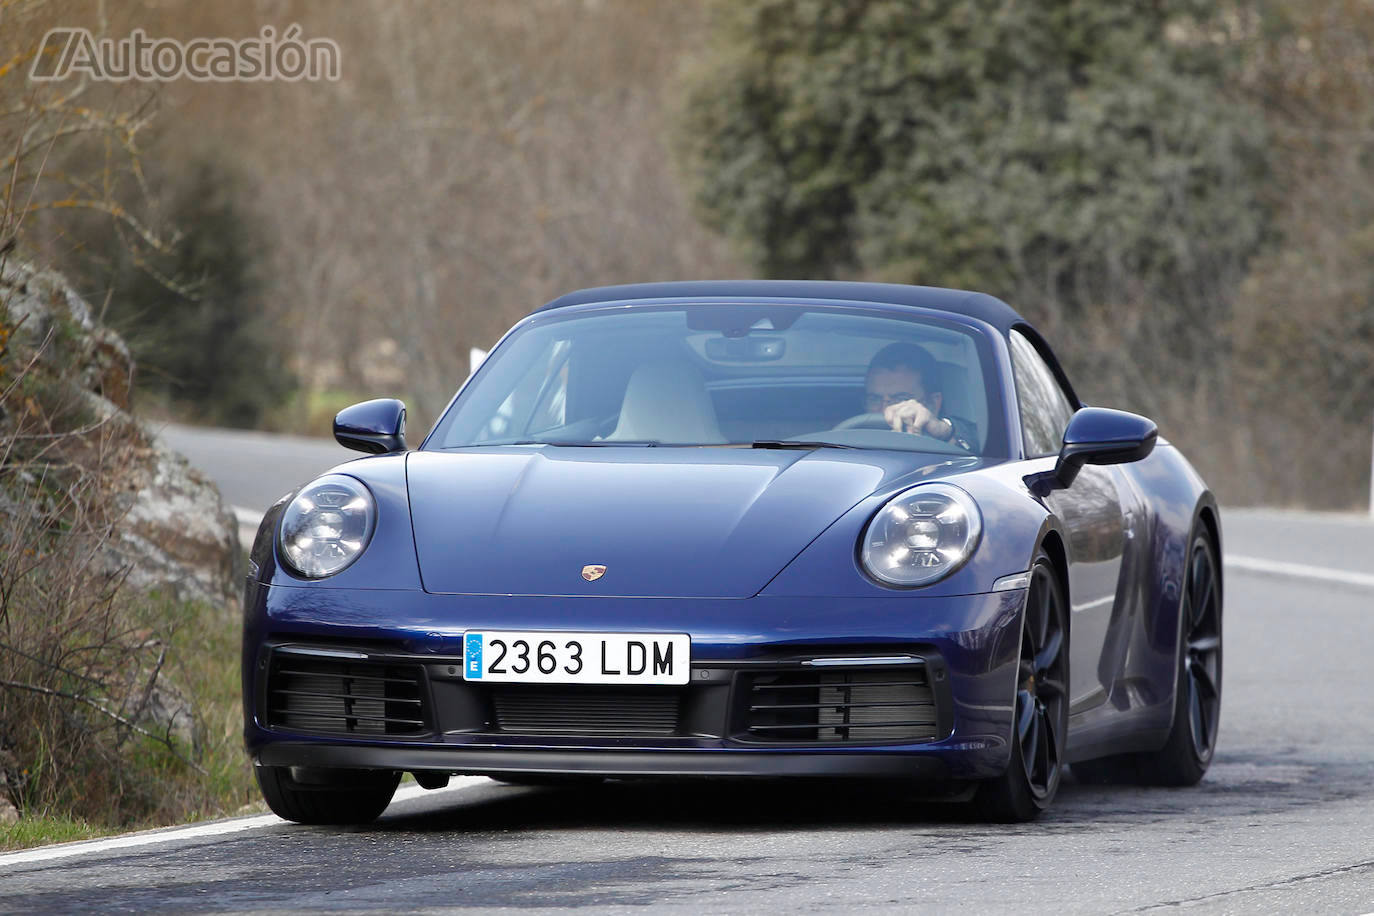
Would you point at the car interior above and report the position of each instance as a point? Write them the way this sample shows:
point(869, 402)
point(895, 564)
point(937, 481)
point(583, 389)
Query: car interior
point(698, 385)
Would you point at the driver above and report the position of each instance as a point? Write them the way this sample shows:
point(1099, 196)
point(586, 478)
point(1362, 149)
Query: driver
point(903, 384)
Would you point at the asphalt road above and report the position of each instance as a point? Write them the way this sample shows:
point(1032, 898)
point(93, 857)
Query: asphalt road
point(253, 469)
point(1284, 822)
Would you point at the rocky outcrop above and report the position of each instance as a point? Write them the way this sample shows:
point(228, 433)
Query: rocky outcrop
point(173, 532)
point(177, 536)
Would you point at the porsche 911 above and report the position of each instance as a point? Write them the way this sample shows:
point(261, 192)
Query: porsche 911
point(740, 530)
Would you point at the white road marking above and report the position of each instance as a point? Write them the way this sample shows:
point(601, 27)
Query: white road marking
point(1088, 606)
point(1299, 570)
point(198, 831)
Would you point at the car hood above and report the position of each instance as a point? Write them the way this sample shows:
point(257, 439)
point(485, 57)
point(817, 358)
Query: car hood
point(664, 522)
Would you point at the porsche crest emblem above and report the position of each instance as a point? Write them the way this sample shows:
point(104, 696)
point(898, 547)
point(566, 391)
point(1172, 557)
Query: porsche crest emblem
point(592, 573)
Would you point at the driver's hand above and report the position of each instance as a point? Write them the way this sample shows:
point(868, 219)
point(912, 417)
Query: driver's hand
point(908, 416)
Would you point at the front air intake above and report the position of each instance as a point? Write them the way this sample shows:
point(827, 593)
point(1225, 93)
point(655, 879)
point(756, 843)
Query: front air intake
point(840, 705)
point(345, 697)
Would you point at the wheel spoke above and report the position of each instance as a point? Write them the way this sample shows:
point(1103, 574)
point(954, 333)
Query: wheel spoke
point(1204, 644)
point(1046, 609)
point(1030, 746)
point(1205, 681)
point(1202, 589)
point(1052, 736)
point(1049, 654)
point(1201, 584)
point(1042, 747)
point(1203, 607)
point(1035, 608)
point(1204, 721)
point(1025, 712)
point(1195, 715)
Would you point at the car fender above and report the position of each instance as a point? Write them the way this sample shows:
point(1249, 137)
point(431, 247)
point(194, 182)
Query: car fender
point(388, 562)
point(1014, 524)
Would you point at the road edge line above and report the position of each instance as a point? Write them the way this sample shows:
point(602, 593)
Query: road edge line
point(199, 831)
point(1299, 571)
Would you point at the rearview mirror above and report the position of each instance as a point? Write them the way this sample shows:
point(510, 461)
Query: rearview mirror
point(375, 427)
point(1097, 435)
point(745, 349)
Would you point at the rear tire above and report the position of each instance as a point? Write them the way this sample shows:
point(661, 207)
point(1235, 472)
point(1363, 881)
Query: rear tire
point(340, 797)
point(1041, 706)
point(1197, 692)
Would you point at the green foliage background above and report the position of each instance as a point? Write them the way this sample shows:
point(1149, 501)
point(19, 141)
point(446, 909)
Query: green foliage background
point(1177, 192)
point(1062, 152)
point(194, 314)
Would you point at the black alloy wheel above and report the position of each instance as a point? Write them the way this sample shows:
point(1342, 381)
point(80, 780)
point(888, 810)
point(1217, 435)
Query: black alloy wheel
point(1186, 754)
point(1041, 721)
point(1202, 650)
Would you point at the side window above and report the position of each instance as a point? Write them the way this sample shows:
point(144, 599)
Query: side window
point(1045, 409)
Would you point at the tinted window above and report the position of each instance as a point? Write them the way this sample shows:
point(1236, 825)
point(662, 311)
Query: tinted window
point(1045, 409)
point(719, 375)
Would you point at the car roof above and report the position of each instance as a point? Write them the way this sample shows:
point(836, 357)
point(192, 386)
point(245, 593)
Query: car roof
point(954, 301)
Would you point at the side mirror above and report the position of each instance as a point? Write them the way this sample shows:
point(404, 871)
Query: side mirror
point(1097, 435)
point(375, 427)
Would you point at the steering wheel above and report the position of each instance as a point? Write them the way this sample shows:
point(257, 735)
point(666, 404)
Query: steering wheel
point(864, 421)
point(875, 421)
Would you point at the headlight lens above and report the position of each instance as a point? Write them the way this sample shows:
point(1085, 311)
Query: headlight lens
point(327, 526)
point(921, 535)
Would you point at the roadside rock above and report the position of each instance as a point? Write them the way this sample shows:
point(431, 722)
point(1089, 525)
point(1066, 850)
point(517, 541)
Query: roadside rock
point(175, 534)
point(9, 781)
point(8, 813)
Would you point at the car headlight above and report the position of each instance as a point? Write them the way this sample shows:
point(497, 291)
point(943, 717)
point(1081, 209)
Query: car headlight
point(921, 535)
point(327, 526)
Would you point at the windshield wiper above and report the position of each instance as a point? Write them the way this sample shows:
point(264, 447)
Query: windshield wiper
point(794, 443)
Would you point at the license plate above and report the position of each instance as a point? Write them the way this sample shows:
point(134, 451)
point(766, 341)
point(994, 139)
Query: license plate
point(576, 658)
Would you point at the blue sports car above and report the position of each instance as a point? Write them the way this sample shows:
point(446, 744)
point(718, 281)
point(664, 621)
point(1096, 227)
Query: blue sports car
point(742, 529)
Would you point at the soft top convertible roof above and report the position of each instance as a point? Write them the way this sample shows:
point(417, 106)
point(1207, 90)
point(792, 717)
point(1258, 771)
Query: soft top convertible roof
point(957, 301)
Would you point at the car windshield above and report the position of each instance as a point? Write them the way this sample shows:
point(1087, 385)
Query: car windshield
point(747, 375)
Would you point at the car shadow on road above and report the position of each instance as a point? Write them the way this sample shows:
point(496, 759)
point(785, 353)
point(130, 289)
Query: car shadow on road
point(1237, 786)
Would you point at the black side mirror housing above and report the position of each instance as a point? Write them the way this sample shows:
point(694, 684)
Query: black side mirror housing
point(1097, 435)
point(376, 427)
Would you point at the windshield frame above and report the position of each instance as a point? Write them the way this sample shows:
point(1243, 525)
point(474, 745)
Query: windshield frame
point(990, 345)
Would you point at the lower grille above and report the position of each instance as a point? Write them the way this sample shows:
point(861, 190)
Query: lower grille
point(345, 698)
point(841, 704)
point(612, 712)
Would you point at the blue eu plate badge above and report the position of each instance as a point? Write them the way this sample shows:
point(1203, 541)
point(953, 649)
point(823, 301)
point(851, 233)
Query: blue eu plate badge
point(472, 655)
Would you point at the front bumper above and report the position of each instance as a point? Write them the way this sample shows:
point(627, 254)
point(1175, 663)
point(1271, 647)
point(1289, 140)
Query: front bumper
point(423, 716)
point(643, 763)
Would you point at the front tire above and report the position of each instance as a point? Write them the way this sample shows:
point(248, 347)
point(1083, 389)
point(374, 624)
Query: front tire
point(1041, 721)
point(339, 797)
